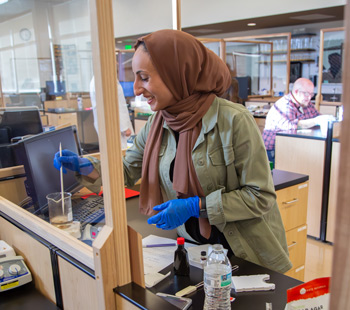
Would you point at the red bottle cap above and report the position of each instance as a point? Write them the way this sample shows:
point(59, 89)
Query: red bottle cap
point(180, 241)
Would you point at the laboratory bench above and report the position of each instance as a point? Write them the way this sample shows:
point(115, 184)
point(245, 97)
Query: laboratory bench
point(283, 181)
point(25, 297)
point(142, 298)
point(64, 269)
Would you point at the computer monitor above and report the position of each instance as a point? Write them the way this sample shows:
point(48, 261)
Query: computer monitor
point(36, 154)
point(19, 122)
point(244, 84)
point(128, 88)
point(55, 88)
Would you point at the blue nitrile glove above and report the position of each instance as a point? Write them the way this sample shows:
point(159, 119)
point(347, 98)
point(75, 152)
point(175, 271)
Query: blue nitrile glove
point(175, 212)
point(70, 160)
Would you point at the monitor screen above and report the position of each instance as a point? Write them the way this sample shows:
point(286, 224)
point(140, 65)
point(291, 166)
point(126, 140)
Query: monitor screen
point(128, 88)
point(19, 122)
point(36, 154)
point(55, 88)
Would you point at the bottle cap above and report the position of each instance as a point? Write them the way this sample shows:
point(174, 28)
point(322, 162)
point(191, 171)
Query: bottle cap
point(203, 253)
point(180, 241)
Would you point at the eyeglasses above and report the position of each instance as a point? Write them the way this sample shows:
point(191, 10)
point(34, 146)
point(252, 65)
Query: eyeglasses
point(306, 94)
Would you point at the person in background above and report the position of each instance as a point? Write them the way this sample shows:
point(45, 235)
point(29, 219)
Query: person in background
point(333, 74)
point(291, 112)
point(232, 92)
point(201, 158)
point(126, 129)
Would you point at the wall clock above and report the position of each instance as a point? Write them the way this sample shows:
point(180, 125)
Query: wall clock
point(25, 34)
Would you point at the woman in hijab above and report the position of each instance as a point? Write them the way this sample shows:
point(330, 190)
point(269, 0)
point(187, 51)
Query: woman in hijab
point(201, 158)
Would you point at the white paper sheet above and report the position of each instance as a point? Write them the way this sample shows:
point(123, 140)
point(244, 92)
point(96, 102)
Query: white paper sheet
point(157, 258)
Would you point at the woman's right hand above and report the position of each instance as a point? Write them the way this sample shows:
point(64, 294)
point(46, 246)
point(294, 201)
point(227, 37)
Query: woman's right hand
point(71, 161)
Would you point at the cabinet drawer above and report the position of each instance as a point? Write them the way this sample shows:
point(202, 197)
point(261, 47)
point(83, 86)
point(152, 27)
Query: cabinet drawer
point(292, 202)
point(297, 273)
point(296, 241)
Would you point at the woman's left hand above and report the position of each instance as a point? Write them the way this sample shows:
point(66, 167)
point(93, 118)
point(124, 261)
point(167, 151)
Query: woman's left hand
point(174, 213)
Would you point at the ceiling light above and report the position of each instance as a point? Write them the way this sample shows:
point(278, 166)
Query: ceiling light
point(251, 24)
point(3, 1)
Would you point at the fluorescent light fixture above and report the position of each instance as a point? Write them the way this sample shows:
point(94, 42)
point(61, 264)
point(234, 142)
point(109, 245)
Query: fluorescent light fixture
point(3, 1)
point(251, 24)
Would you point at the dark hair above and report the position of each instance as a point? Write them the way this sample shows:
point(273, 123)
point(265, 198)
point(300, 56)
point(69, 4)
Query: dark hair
point(141, 43)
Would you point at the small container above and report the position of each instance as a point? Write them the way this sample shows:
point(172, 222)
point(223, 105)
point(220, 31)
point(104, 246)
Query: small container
point(203, 258)
point(80, 103)
point(60, 215)
point(181, 263)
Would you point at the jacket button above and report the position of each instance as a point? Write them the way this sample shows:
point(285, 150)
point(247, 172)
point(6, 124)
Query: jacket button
point(210, 187)
point(201, 162)
point(244, 256)
point(230, 233)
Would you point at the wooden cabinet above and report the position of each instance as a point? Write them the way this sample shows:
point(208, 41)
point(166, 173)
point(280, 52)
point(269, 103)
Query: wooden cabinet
point(260, 122)
point(63, 119)
point(292, 202)
point(333, 192)
point(306, 155)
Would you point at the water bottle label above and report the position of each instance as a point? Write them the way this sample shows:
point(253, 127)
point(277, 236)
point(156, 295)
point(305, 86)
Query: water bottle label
point(218, 280)
point(226, 279)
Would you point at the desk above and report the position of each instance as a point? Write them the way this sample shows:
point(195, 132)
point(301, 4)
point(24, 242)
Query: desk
point(244, 301)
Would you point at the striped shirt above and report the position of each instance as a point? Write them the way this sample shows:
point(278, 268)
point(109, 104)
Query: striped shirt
point(285, 115)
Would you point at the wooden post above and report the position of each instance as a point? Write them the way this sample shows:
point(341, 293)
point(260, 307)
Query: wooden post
point(176, 14)
point(111, 249)
point(340, 290)
point(320, 67)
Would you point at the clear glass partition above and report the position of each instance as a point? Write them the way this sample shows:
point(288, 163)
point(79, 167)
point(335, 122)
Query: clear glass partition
point(281, 59)
point(45, 50)
point(250, 62)
point(46, 62)
point(215, 45)
point(331, 65)
point(124, 70)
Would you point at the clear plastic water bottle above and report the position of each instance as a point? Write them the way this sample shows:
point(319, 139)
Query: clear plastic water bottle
point(217, 280)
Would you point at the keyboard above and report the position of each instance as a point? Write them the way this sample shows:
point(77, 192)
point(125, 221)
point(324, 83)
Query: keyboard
point(89, 211)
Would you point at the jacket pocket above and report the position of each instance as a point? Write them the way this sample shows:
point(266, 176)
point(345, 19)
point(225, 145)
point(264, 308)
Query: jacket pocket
point(222, 156)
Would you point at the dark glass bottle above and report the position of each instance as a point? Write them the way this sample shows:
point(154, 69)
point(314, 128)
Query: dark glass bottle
point(181, 264)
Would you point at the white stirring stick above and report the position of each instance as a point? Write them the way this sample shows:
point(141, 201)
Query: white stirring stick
point(61, 177)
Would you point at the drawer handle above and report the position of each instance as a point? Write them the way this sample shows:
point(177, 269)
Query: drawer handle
point(291, 245)
point(289, 202)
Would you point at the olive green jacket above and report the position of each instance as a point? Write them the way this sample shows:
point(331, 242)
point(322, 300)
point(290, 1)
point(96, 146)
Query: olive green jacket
point(232, 167)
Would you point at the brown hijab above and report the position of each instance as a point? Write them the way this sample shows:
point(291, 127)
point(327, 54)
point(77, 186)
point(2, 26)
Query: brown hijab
point(194, 75)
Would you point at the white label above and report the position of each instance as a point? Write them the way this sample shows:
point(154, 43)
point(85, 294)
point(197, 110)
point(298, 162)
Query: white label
point(302, 186)
point(299, 269)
